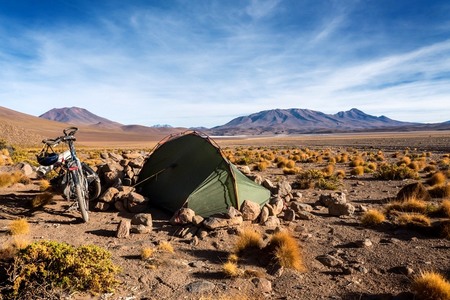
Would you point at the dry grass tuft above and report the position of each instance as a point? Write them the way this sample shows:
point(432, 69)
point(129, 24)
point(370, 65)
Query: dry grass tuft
point(42, 200)
point(147, 253)
point(431, 286)
point(10, 249)
point(445, 208)
point(372, 217)
point(440, 191)
point(408, 205)
point(19, 226)
point(287, 251)
point(438, 178)
point(413, 219)
point(248, 238)
point(166, 246)
point(231, 269)
point(233, 258)
point(44, 184)
point(357, 171)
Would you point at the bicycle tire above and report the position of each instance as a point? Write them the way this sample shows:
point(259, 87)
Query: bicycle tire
point(82, 203)
point(94, 185)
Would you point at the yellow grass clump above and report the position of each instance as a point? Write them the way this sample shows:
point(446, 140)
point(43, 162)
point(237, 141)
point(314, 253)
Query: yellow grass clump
point(231, 269)
point(438, 178)
point(147, 252)
point(42, 199)
point(440, 191)
point(9, 249)
point(445, 208)
point(340, 173)
point(44, 184)
point(291, 171)
point(166, 246)
point(408, 205)
point(19, 226)
point(357, 161)
point(372, 217)
point(248, 238)
point(287, 251)
point(413, 219)
point(262, 165)
point(358, 170)
point(431, 286)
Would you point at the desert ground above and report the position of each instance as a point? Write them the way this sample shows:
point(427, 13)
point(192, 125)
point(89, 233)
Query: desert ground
point(365, 262)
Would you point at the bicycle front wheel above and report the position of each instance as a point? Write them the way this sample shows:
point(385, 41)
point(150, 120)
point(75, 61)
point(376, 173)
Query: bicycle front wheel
point(81, 197)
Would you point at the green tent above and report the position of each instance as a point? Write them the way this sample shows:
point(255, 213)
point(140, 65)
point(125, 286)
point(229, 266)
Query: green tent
point(188, 170)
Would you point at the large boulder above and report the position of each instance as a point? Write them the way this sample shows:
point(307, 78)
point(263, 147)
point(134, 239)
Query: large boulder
point(250, 210)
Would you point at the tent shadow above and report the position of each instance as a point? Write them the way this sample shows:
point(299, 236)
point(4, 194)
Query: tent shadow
point(213, 256)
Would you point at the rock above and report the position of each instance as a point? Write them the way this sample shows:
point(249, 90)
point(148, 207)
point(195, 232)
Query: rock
point(289, 215)
point(123, 230)
point(194, 241)
point(332, 198)
point(277, 205)
point(262, 284)
point(135, 207)
point(136, 198)
point(341, 209)
point(26, 169)
point(142, 229)
point(284, 188)
point(366, 243)
point(414, 191)
point(102, 206)
point(212, 223)
point(245, 170)
point(404, 270)
point(114, 156)
point(197, 220)
point(120, 206)
point(272, 221)
point(200, 286)
point(182, 216)
point(131, 155)
point(109, 195)
point(250, 210)
point(258, 179)
point(264, 215)
point(305, 215)
point(298, 206)
point(330, 261)
point(233, 212)
point(142, 219)
point(269, 185)
point(189, 232)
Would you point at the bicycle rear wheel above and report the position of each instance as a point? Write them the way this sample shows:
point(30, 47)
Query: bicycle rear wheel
point(94, 185)
point(81, 197)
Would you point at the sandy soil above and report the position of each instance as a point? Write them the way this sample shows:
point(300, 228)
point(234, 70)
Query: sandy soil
point(375, 271)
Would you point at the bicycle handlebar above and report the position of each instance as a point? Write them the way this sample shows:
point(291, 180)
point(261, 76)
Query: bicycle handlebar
point(68, 136)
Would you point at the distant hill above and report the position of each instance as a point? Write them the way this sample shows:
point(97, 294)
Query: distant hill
point(295, 121)
point(78, 116)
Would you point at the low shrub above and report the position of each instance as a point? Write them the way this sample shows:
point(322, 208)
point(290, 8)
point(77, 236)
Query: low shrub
point(437, 178)
point(372, 217)
point(247, 238)
point(41, 200)
point(413, 219)
point(287, 251)
point(440, 191)
point(394, 172)
point(331, 183)
point(408, 205)
point(46, 265)
point(19, 226)
point(357, 171)
point(431, 286)
point(444, 208)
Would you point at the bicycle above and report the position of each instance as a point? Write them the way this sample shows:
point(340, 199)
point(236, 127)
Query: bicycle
point(75, 179)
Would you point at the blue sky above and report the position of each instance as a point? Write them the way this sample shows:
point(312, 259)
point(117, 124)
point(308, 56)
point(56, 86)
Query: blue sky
point(204, 62)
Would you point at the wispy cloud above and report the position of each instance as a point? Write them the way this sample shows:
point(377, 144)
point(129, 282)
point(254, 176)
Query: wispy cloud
point(203, 63)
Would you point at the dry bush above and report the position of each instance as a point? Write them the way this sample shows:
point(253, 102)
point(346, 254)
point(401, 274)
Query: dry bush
point(19, 226)
point(444, 208)
point(430, 168)
point(357, 171)
point(247, 238)
point(146, 253)
point(330, 183)
point(438, 178)
point(41, 200)
point(406, 160)
point(231, 269)
point(291, 171)
point(233, 258)
point(166, 246)
point(10, 248)
point(287, 251)
point(394, 172)
point(262, 165)
point(372, 217)
point(431, 286)
point(440, 191)
point(413, 219)
point(372, 166)
point(328, 170)
point(408, 205)
point(340, 173)
point(44, 184)
point(445, 229)
point(343, 158)
point(357, 161)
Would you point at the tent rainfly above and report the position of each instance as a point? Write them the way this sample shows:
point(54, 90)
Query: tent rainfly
point(189, 170)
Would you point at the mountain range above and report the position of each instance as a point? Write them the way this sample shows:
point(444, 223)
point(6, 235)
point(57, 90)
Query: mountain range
point(21, 128)
point(268, 122)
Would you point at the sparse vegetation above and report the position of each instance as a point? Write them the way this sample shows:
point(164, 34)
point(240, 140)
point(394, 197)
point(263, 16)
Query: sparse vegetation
point(42, 199)
point(413, 219)
point(372, 217)
point(248, 238)
point(19, 226)
point(394, 172)
point(287, 251)
point(431, 286)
